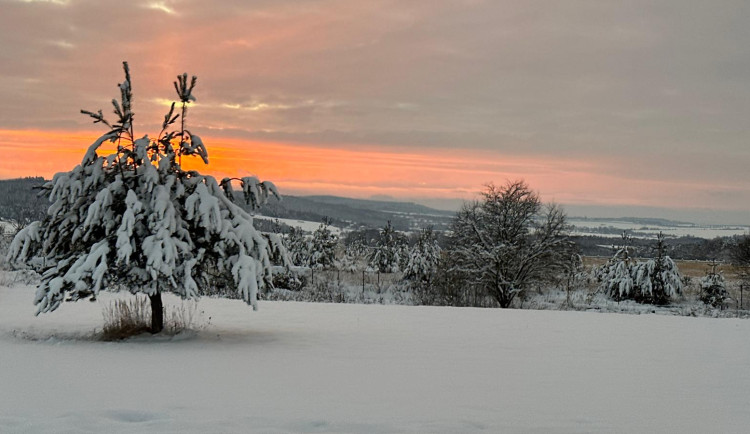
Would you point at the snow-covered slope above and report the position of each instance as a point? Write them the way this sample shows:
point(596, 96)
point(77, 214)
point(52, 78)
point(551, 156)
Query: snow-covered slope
point(612, 228)
point(299, 367)
point(306, 225)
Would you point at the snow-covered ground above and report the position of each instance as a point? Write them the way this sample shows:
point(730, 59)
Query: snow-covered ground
point(613, 229)
point(306, 225)
point(305, 367)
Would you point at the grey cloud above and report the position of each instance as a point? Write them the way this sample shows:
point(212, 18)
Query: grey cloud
point(659, 89)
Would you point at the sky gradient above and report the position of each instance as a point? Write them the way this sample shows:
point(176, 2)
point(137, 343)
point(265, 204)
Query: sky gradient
point(631, 108)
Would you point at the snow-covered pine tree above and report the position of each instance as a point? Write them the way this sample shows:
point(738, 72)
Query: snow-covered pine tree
point(323, 247)
point(134, 220)
point(388, 251)
point(657, 280)
point(298, 246)
point(616, 275)
point(423, 257)
point(355, 253)
point(713, 289)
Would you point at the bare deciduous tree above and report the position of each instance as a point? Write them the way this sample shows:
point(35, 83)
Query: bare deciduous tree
point(507, 240)
point(740, 251)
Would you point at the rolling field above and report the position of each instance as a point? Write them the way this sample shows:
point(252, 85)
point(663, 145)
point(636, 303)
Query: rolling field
point(331, 368)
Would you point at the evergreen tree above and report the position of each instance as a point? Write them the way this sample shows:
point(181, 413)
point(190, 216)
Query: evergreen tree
point(388, 251)
point(616, 275)
point(713, 288)
point(657, 280)
point(135, 220)
point(298, 247)
point(423, 257)
point(323, 247)
point(355, 253)
point(653, 281)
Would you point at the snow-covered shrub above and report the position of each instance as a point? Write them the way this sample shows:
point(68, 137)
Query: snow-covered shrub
point(291, 278)
point(338, 292)
point(327, 292)
point(713, 289)
point(135, 220)
point(451, 286)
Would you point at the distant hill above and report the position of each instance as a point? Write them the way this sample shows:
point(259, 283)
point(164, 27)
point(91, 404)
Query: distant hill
point(380, 205)
point(356, 213)
point(645, 221)
point(20, 201)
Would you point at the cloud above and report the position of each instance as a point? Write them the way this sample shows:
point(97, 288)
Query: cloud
point(54, 2)
point(161, 6)
point(658, 90)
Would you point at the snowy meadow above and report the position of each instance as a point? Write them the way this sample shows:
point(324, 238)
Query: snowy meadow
point(316, 367)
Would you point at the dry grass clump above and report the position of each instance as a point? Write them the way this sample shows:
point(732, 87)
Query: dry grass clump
point(183, 317)
point(127, 318)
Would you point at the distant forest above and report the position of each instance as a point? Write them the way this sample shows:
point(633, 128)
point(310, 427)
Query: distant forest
point(20, 203)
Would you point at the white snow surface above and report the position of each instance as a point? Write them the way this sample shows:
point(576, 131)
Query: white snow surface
point(306, 225)
point(583, 227)
point(320, 368)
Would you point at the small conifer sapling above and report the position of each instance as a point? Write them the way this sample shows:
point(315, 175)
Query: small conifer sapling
point(134, 220)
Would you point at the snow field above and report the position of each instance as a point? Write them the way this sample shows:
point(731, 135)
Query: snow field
point(639, 230)
point(306, 225)
point(306, 367)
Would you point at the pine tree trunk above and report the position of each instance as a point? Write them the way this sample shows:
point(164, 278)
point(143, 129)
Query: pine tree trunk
point(157, 313)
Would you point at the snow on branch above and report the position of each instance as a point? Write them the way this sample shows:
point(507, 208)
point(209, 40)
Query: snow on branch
point(135, 220)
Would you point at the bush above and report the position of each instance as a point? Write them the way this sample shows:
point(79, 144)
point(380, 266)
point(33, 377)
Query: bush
point(451, 287)
point(293, 279)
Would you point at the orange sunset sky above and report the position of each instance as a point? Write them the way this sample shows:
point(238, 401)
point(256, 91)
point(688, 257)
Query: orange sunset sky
point(627, 108)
